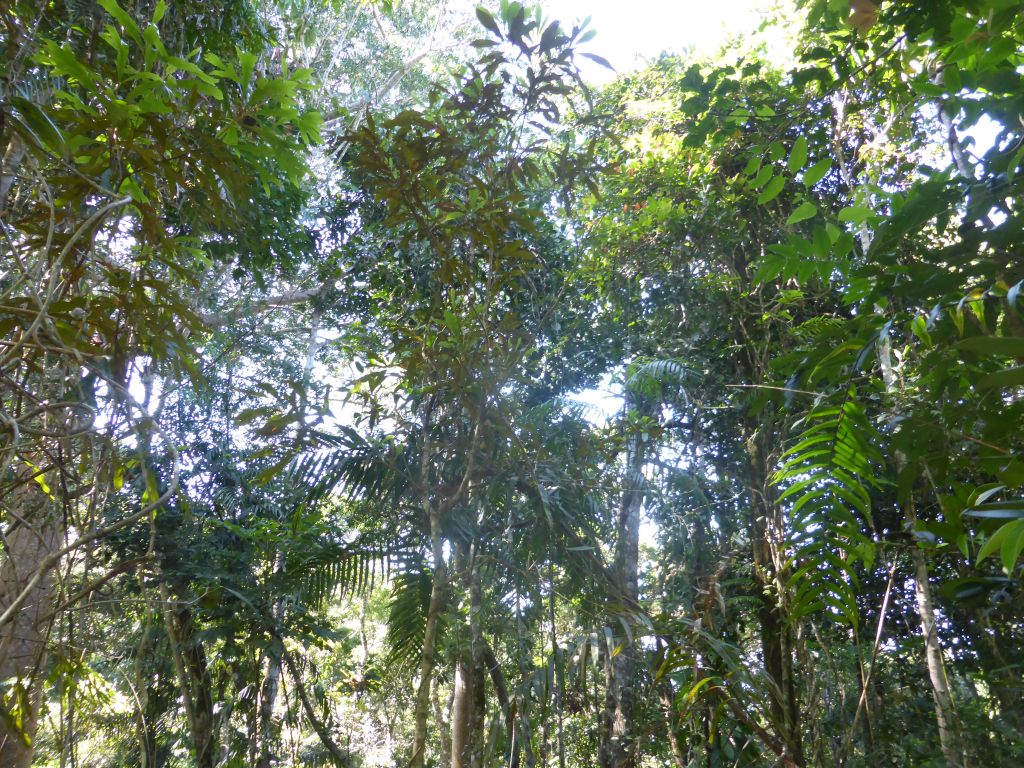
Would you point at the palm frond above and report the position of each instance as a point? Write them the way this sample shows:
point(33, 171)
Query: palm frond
point(335, 570)
point(353, 466)
point(407, 613)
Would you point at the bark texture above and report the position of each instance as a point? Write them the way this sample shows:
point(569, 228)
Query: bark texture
point(23, 640)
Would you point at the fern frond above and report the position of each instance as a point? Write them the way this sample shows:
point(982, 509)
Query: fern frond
point(819, 326)
point(827, 477)
point(655, 378)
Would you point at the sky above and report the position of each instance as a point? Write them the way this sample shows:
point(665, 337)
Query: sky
point(628, 31)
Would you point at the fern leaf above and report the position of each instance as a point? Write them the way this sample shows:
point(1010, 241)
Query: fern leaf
point(826, 478)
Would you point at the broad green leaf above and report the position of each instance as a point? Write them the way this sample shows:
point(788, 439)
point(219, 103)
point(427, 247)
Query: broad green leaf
point(1008, 540)
point(855, 214)
point(1013, 544)
point(488, 21)
point(772, 190)
point(1011, 377)
point(997, 346)
point(817, 172)
point(41, 125)
point(797, 155)
point(763, 177)
point(805, 211)
point(599, 60)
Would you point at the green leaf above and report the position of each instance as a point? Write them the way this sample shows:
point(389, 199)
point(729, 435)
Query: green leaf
point(41, 125)
point(997, 346)
point(1011, 377)
point(1013, 544)
point(805, 211)
point(127, 22)
point(550, 36)
point(598, 59)
point(488, 21)
point(996, 510)
point(763, 177)
point(817, 172)
point(855, 214)
point(772, 190)
point(1009, 540)
point(797, 155)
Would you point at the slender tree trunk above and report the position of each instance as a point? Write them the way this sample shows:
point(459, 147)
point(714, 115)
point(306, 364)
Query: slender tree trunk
point(144, 726)
point(468, 700)
point(556, 660)
point(1002, 675)
point(522, 748)
point(478, 666)
point(272, 679)
point(618, 747)
point(23, 640)
point(461, 705)
point(439, 581)
point(10, 166)
point(444, 727)
point(667, 708)
point(766, 534)
point(268, 697)
point(500, 692)
point(945, 715)
point(193, 681)
point(321, 728)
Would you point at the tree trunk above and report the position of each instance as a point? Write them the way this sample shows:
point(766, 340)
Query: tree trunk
point(9, 167)
point(478, 669)
point(618, 748)
point(272, 679)
point(193, 680)
point(444, 727)
point(438, 583)
point(461, 706)
point(23, 640)
point(522, 747)
point(268, 697)
point(945, 715)
point(667, 708)
point(1000, 672)
point(766, 535)
point(500, 692)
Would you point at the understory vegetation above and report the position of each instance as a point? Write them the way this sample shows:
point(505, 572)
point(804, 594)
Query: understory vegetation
point(376, 390)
